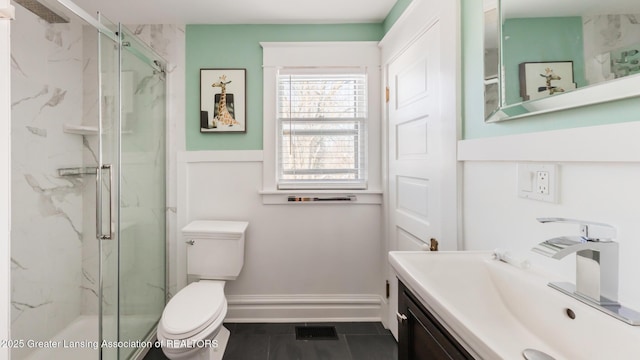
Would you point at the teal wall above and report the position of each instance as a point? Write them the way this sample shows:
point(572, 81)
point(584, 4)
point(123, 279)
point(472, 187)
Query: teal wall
point(473, 102)
point(237, 46)
point(537, 40)
point(394, 14)
point(241, 49)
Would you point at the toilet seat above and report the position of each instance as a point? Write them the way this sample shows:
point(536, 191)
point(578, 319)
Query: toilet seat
point(193, 309)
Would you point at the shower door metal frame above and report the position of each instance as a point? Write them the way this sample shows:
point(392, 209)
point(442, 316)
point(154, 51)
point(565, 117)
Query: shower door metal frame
point(100, 236)
point(5, 168)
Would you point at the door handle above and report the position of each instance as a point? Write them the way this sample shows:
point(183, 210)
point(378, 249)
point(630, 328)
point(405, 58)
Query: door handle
point(99, 234)
point(401, 317)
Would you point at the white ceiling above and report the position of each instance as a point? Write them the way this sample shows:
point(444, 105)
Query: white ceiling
point(240, 11)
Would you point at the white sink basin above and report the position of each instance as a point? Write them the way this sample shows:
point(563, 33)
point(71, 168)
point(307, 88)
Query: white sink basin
point(496, 310)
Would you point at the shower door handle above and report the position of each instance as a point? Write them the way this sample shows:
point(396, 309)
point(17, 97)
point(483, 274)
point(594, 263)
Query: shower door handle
point(99, 226)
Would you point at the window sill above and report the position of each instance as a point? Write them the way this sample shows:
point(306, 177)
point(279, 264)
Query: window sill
point(281, 197)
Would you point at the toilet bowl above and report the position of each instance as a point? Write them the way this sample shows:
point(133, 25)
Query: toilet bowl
point(192, 321)
point(191, 326)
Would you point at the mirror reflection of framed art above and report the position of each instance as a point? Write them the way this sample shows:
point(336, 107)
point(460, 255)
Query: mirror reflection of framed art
point(547, 78)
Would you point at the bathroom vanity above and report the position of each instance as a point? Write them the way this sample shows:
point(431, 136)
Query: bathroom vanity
point(420, 334)
point(468, 305)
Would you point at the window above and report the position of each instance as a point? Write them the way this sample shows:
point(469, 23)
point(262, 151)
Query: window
point(321, 126)
point(321, 120)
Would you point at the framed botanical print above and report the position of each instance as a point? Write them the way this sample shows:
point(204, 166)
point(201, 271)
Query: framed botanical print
point(223, 102)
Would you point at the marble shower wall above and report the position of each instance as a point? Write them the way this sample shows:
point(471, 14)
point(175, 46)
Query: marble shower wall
point(47, 209)
point(605, 37)
point(54, 251)
point(90, 152)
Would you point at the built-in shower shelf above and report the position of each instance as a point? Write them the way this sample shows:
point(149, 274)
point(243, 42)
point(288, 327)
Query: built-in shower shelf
point(80, 129)
point(8, 13)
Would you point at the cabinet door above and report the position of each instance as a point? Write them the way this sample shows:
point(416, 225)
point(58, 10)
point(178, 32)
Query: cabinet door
point(420, 334)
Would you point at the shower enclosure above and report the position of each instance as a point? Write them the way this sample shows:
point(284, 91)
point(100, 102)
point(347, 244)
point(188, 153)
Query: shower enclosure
point(88, 185)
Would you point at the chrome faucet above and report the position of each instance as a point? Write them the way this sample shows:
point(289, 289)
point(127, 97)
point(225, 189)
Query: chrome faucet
point(596, 258)
point(596, 266)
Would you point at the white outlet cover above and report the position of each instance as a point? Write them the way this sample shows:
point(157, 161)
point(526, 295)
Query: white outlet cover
point(527, 182)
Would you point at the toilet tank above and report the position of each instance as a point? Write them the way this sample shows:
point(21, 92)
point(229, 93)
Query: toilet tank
point(215, 249)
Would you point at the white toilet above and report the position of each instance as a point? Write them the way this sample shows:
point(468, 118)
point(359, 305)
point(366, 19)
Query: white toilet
point(191, 323)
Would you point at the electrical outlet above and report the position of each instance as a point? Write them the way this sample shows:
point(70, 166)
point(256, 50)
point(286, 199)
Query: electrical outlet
point(542, 182)
point(538, 182)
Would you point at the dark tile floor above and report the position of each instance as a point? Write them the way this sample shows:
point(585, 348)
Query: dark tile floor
point(277, 341)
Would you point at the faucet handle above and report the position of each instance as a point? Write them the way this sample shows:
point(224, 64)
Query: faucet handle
point(589, 230)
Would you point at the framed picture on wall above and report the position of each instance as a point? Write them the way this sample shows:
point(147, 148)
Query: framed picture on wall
point(547, 78)
point(223, 103)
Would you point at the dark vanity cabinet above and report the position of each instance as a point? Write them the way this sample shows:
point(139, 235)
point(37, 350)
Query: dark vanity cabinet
point(420, 335)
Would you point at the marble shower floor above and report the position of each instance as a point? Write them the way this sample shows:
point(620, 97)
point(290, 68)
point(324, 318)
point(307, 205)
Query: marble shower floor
point(83, 329)
point(277, 341)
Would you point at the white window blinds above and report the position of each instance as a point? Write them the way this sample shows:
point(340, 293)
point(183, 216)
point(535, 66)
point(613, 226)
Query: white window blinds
point(322, 118)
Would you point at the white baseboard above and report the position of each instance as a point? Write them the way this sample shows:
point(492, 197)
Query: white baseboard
point(303, 308)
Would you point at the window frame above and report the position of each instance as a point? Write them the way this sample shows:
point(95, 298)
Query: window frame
point(359, 132)
point(362, 54)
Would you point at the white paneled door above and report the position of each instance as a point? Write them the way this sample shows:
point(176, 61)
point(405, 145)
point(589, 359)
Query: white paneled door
point(416, 144)
point(422, 136)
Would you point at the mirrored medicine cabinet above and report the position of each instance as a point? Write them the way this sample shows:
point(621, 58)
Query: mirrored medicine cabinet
point(547, 55)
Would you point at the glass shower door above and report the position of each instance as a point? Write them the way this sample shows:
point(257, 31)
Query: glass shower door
point(131, 195)
point(141, 191)
point(107, 211)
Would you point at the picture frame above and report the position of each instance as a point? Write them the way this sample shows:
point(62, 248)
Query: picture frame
point(223, 103)
point(546, 78)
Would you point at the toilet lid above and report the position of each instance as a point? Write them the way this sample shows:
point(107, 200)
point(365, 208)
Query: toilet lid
point(193, 308)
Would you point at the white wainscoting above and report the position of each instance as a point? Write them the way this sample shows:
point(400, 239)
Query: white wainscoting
point(603, 143)
point(599, 173)
point(317, 262)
